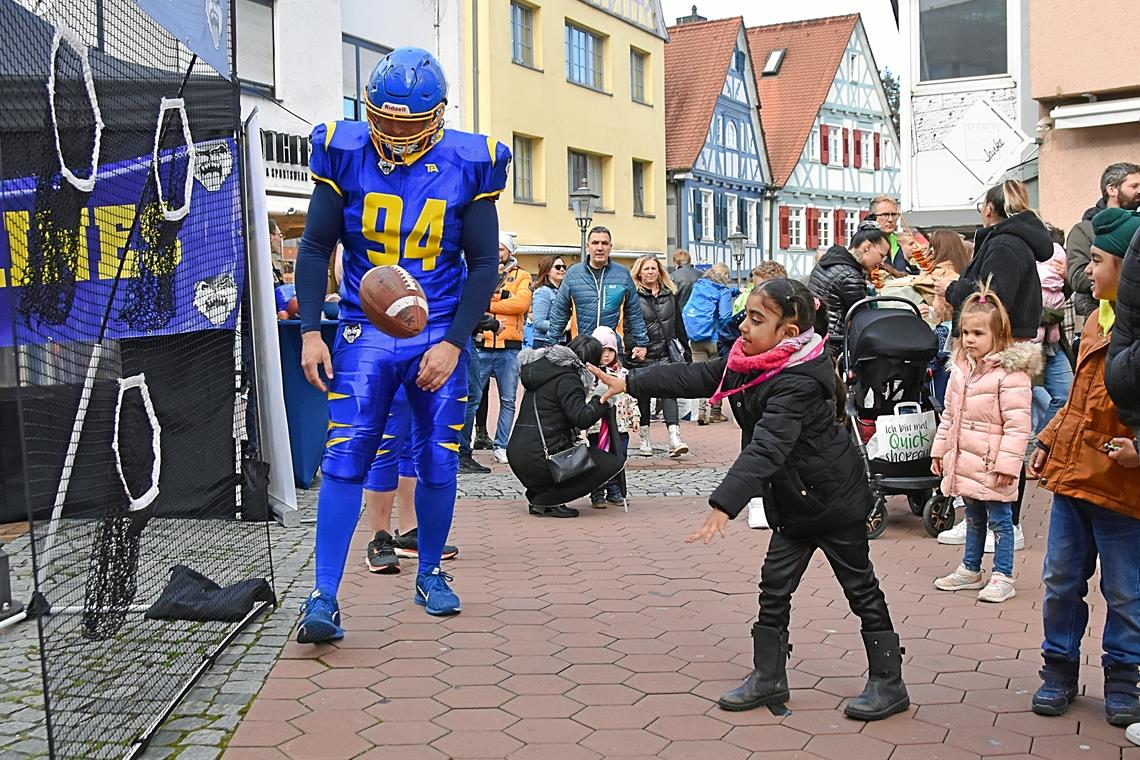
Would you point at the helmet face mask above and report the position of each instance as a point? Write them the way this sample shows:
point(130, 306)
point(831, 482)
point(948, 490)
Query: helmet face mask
point(401, 137)
point(404, 102)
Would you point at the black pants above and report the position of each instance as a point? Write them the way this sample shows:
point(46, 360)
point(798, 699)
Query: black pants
point(1020, 498)
point(481, 411)
point(847, 551)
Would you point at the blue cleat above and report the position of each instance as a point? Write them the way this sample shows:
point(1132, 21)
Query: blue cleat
point(320, 621)
point(433, 593)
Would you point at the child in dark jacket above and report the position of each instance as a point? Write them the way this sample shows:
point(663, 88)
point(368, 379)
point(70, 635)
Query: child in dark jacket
point(780, 382)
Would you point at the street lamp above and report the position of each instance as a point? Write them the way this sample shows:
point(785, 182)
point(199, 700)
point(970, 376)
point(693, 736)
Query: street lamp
point(736, 242)
point(582, 201)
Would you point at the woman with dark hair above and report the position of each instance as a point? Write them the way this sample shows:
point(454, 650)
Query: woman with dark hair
point(841, 276)
point(553, 411)
point(1006, 251)
point(551, 272)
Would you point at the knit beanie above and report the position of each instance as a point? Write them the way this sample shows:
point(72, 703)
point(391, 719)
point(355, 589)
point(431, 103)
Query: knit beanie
point(606, 336)
point(1113, 230)
point(509, 241)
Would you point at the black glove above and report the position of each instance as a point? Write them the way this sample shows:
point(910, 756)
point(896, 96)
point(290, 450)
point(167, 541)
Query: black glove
point(504, 294)
point(487, 323)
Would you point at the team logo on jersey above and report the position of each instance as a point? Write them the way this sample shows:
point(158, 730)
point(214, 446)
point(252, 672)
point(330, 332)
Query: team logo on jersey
point(351, 332)
point(432, 169)
point(386, 167)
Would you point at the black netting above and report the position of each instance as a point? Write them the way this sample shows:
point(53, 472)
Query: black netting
point(127, 376)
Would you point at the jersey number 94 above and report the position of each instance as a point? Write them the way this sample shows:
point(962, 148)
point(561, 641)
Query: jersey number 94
point(423, 242)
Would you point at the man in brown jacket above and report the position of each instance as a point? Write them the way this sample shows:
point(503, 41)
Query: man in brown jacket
point(497, 354)
point(1087, 458)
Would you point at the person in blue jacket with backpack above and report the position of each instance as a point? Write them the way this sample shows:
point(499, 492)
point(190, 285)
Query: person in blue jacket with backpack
point(708, 310)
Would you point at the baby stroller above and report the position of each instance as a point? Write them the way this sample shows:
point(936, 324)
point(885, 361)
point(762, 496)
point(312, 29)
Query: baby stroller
point(891, 408)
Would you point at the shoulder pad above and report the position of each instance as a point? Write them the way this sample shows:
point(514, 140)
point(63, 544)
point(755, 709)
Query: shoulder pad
point(340, 135)
point(470, 147)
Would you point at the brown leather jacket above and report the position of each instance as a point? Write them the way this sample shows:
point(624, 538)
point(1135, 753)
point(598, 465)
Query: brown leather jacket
point(1078, 465)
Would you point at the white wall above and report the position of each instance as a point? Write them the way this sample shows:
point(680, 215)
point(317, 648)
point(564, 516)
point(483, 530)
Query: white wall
point(435, 25)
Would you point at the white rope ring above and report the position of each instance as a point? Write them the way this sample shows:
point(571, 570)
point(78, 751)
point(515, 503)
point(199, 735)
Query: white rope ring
point(62, 34)
point(179, 105)
point(139, 381)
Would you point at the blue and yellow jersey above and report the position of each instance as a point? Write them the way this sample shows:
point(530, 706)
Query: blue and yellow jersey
point(411, 215)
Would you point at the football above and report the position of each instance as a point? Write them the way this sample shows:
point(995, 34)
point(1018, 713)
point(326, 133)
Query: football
point(393, 301)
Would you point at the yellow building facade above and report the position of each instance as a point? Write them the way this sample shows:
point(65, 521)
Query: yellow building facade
point(576, 88)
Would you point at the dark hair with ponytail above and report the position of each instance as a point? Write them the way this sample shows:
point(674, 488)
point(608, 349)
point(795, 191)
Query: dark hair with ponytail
point(796, 303)
point(868, 231)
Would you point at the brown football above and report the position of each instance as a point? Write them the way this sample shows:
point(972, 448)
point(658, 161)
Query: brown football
point(393, 301)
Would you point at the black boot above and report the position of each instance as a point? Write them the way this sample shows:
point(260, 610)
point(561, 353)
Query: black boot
point(1121, 704)
point(885, 693)
point(1059, 685)
point(768, 684)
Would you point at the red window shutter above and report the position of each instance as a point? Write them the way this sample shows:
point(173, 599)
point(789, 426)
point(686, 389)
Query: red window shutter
point(784, 232)
point(864, 214)
point(824, 146)
point(837, 230)
point(846, 147)
point(812, 232)
point(858, 149)
point(877, 145)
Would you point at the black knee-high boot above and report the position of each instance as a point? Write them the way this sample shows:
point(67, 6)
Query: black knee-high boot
point(768, 683)
point(885, 693)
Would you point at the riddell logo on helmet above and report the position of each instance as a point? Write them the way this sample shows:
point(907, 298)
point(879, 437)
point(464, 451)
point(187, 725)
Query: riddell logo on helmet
point(395, 108)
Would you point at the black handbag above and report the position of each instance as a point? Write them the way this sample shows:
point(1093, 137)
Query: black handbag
point(568, 464)
point(676, 351)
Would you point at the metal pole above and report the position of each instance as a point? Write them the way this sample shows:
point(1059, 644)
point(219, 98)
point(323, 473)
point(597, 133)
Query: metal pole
point(583, 251)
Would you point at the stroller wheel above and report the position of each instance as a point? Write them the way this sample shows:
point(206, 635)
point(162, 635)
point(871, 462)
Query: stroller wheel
point(877, 519)
point(938, 515)
point(917, 501)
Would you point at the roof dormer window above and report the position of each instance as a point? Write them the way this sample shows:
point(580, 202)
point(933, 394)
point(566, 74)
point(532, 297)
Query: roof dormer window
point(772, 65)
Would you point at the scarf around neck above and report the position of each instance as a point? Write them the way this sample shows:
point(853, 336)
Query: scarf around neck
point(789, 352)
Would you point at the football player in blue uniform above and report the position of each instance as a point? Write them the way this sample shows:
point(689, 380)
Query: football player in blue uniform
point(395, 189)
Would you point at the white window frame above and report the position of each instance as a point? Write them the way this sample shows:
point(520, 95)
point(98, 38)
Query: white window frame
point(708, 217)
point(834, 145)
point(594, 66)
point(797, 216)
point(867, 149)
point(824, 220)
point(730, 138)
point(526, 12)
point(851, 223)
point(732, 217)
point(854, 70)
point(594, 179)
point(638, 80)
point(523, 167)
point(754, 222)
point(1013, 53)
point(813, 144)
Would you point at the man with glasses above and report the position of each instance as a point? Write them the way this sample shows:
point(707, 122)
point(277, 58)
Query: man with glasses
point(601, 293)
point(885, 211)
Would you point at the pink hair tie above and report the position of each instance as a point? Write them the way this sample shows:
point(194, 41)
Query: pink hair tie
point(982, 298)
point(816, 300)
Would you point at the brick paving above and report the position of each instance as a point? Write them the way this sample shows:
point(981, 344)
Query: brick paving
point(607, 636)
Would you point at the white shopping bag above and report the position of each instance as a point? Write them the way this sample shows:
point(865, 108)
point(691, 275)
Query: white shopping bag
point(905, 436)
point(757, 518)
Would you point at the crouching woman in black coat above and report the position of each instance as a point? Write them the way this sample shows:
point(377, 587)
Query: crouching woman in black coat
point(780, 382)
point(556, 381)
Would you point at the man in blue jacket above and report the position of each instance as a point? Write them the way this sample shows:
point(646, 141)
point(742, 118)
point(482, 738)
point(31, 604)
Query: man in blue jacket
point(601, 293)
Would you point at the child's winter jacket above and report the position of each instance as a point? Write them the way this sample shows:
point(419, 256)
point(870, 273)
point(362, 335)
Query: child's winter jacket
point(987, 422)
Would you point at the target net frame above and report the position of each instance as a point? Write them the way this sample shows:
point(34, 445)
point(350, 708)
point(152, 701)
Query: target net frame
point(124, 305)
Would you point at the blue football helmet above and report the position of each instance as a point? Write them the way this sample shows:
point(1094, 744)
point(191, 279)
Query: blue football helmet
point(404, 101)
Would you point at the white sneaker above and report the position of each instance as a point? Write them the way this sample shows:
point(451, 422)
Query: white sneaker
point(998, 589)
point(1133, 733)
point(955, 536)
point(1018, 540)
point(501, 456)
point(961, 579)
point(645, 448)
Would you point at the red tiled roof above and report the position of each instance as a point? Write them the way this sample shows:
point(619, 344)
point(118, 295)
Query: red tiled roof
point(790, 99)
point(697, 58)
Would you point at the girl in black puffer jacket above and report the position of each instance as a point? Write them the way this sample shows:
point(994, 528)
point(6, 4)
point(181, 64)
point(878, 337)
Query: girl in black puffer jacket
point(780, 381)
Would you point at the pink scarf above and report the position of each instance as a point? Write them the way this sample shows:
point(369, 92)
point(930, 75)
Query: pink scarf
point(789, 352)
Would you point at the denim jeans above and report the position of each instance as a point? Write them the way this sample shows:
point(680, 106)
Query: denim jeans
point(503, 364)
point(1078, 532)
point(999, 516)
point(1051, 395)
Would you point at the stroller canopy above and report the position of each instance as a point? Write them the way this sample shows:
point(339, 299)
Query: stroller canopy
point(890, 333)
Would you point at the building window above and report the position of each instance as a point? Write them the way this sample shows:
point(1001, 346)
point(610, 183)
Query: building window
point(854, 72)
point(585, 167)
point(524, 168)
point(522, 34)
point(730, 134)
point(255, 59)
point(795, 227)
point(823, 222)
point(637, 66)
point(639, 188)
point(772, 63)
point(707, 220)
point(739, 61)
point(834, 146)
point(584, 58)
point(813, 145)
point(867, 151)
point(948, 29)
point(733, 221)
point(851, 222)
point(754, 222)
point(359, 57)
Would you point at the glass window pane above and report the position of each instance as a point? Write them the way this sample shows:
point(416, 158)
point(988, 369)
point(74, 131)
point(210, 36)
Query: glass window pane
point(368, 60)
point(962, 38)
point(348, 77)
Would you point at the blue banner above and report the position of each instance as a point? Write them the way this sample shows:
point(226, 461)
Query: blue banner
point(201, 25)
point(200, 293)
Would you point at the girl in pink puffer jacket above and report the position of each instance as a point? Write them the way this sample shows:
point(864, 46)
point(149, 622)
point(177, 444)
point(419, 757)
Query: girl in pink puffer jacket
point(980, 447)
